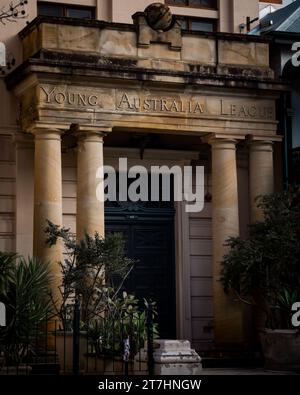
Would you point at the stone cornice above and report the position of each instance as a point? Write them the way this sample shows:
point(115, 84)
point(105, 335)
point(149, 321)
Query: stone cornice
point(109, 68)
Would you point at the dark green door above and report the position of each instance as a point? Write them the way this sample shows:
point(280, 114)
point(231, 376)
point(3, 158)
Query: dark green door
point(150, 241)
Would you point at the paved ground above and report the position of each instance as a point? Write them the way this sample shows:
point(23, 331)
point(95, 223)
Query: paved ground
point(248, 372)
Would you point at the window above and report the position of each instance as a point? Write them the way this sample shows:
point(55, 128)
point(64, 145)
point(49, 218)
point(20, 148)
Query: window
point(194, 3)
point(198, 24)
point(67, 10)
point(50, 9)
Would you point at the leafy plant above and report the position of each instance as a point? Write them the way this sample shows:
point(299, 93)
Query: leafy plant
point(264, 269)
point(7, 262)
point(28, 305)
point(93, 271)
point(122, 320)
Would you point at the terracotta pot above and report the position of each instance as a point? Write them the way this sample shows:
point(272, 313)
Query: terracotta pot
point(106, 366)
point(114, 367)
point(94, 364)
point(281, 349)
point(64, 348)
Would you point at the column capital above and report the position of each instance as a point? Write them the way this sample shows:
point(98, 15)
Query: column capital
point(46, 133)
point(90, 133)
point(41, 128)
point(260, 145)
point(222, 143)
point(218, 141)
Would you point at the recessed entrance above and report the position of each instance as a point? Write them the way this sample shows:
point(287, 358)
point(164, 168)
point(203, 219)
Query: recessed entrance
point(149, 235)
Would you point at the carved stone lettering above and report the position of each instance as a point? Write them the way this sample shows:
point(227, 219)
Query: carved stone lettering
point(252, 110)
point(72, 98)
point(150, 102)
point(128, 102)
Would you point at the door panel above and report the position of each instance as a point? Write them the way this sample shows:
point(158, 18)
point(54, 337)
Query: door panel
point(151, 244)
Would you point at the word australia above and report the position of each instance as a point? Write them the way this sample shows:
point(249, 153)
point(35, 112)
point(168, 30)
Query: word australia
point(154, 104)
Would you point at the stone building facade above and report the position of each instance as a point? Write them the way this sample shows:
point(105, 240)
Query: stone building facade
point(87, 92)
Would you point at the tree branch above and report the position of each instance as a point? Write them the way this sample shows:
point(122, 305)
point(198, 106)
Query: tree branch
point(13, 11)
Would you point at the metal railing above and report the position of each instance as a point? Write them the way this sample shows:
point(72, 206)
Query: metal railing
point(103, 347)
point(296, 166)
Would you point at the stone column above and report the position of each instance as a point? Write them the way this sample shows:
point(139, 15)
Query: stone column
point(261, 174)
point(24, 193)
point(90, 211)
point(261, 182)
point(228, 322)
point(47, 196)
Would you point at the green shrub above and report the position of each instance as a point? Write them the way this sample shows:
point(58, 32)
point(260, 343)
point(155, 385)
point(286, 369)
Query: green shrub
point(264, 269)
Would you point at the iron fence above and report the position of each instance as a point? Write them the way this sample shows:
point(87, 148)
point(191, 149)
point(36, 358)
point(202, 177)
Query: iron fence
point(296, 166)
point(103, 347)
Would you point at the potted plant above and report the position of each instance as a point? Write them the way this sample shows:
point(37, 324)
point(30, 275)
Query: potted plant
point(120, 333)
point(264, 271)
point(93, 272)
point(24, 288)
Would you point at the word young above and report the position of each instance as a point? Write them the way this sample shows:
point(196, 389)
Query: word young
point(296, 316)
point(2, 315)
point(296, 56)
point(154, 189)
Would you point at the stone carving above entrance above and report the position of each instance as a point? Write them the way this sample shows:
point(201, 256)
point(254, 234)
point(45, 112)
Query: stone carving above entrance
point(152, 102)
point(73, 98)
point(195, 111)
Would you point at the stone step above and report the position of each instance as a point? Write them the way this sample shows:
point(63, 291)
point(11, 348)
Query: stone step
point(231, 358)
point(232, 362)
point(45, 369)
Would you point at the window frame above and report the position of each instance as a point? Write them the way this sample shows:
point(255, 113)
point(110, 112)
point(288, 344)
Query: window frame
point(190, 19)
point(65, 8)
point(187, 5)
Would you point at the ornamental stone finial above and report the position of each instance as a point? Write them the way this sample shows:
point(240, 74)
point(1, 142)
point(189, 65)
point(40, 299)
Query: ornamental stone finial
point(157, 25)
point(159, 16)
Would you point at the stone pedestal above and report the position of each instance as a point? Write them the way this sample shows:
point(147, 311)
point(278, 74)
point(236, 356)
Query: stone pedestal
point(171, 357)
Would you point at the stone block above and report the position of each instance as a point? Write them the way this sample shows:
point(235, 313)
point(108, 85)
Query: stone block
point(120, 43)
point(158, 51)
point(172, 357)
point(32, 43)
point(243, 53)
point(78, 38)
point(199, 49)
point(49, 36)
